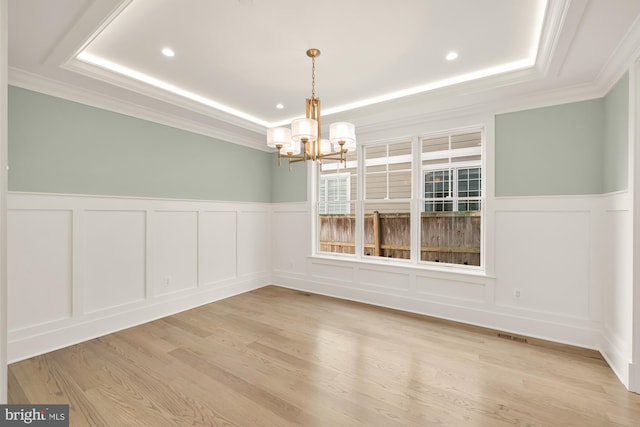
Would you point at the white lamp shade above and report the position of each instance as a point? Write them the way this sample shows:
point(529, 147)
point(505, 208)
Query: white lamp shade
point(277, 136)
point(304, 129)
point(342, 131)
point(325, 146)
point(293, 148)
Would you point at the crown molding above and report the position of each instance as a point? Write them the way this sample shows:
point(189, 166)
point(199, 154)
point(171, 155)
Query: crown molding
point(92, 20)
point(475, 99)
point(389, 118)
point(554, 23)
point(31, 81)
point(136, 86)
point(621, 59)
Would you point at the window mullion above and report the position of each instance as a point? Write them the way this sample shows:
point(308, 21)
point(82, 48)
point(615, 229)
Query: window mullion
point(360, 190)
point(454, 188)
point(417, 196)
point(387, 172)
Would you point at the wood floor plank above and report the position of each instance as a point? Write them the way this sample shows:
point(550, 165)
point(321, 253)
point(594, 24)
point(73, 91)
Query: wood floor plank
point(276, 357)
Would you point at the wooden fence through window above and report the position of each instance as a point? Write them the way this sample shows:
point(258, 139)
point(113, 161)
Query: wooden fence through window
point(449, 237)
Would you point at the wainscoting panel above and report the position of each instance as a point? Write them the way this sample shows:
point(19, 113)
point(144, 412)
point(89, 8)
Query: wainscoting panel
point(384, 280)
point(429, 287)
point(218, 246)
point(336, 274)
point(39, 269)
point(282, 224)
point(175, 251)
point(617, 329)
point(253, 242)
point(115, 258)
point(542, 261)
point(84, 266)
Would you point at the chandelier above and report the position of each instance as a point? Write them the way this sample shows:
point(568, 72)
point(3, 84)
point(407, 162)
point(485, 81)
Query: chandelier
point(303, 140)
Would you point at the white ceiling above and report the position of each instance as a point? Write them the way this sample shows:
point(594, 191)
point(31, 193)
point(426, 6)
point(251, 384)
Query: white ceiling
point(236, 59)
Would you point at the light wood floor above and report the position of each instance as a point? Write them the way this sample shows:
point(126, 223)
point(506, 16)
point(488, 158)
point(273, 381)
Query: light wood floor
point(277, 357)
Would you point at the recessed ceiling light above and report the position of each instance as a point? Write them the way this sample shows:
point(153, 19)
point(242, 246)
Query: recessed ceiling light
point(451, 56)
point(167, 51)
point(279, 106)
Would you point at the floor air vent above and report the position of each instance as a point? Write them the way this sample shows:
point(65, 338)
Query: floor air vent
point(512, 338)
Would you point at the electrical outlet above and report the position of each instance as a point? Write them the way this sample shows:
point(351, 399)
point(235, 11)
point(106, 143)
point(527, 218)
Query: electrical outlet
point(166, 281)
point(517, 293)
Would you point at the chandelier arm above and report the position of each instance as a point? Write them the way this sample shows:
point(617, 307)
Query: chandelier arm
point(297, 159)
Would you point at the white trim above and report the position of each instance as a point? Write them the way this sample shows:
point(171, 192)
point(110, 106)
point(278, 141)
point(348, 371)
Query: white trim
point(621, 60)
point(611, 351)
point(443, 270)
point(452, 153)
point(92, 17)
point(4, 36)
point(104, 198)
point(634, 192)
point(557, 12)
point(453, 165)
point(105, 71)
point(634, 377)
point(31, 342)
point(554, 328)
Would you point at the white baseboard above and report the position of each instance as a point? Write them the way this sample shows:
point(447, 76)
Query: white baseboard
point(565, 333)
point(634, 377)
point(618, 364)
point(25, 345)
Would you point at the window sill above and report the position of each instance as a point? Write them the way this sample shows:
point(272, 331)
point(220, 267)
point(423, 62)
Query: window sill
point(444, 270)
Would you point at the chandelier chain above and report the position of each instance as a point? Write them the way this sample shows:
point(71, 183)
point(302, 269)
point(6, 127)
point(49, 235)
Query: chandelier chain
point(313, 77)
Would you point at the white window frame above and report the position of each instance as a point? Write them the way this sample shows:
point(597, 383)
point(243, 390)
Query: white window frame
point(481, 123)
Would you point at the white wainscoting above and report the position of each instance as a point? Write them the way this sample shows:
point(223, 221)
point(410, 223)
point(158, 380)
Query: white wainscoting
point(82, 266)
point(551, 249)
point(617, 284)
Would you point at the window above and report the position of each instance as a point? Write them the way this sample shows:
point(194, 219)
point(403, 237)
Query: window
point(437, 191)
point(387, 200)
point(334, 194)
point(420, 199)
point(468, 189)
point(337, 192)
point(452, 190)
point(450, 222)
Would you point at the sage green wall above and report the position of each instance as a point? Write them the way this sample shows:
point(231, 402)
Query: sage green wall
point(288, 186)
point(59, 146)
point(554, 150)
point(616, 137)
